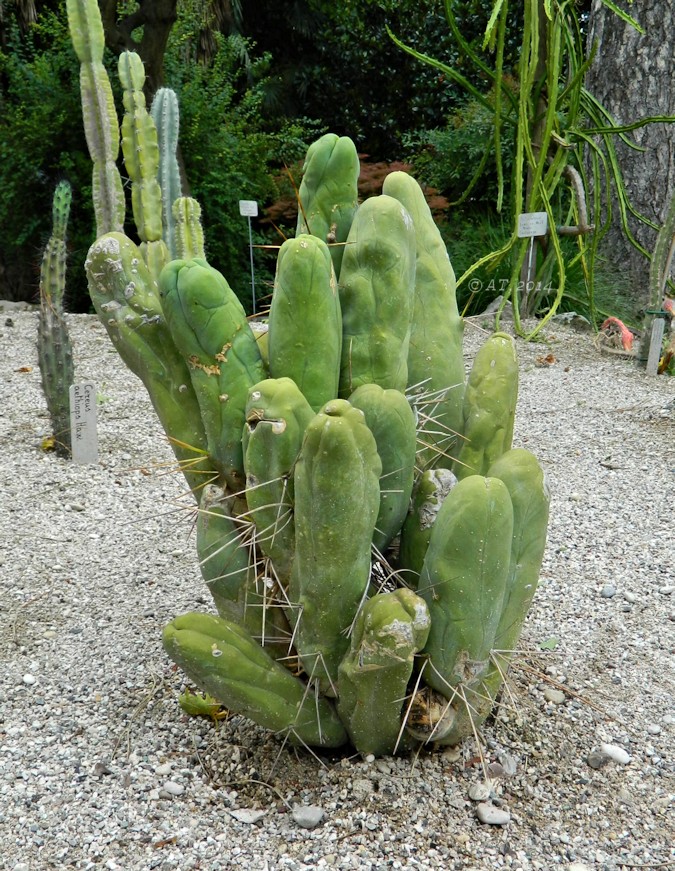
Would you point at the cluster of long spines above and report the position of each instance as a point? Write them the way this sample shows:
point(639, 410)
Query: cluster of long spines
point(165, 114)
point(99, 114)
point(55, 353)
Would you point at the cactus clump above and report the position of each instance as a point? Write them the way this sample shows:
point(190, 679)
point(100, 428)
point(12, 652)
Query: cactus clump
point(371, 539)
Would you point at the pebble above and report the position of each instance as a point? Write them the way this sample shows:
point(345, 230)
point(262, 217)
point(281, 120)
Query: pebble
point(479, 791)
point(630, 597)
point(491, 815)
point(163, 770)
point(597, 759)
point(29, 679)
point(666, 591)
point(508, 763)
point(578, 866)
point(49, 633)
point(654, 729)
point(618, 754)
point(608, 591)
point(308, 816)
point(553, 695)
point(247, 815)
point(171, 788)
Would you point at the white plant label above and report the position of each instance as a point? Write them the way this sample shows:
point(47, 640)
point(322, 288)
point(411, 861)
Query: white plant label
point(532, 224)
point(248, 208)
point(83, 435)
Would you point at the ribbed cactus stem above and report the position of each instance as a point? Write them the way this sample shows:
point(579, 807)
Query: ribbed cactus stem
point(98, 111)
point(140, 149)
point(55, 354)
point(187, 215)
point(165, 114)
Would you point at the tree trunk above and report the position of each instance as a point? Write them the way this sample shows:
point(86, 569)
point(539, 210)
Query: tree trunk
point(632, 77)
point(156, 17)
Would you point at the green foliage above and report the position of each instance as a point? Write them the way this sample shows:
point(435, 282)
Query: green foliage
point(482, 230)
point(447, 157)
point(40, 144)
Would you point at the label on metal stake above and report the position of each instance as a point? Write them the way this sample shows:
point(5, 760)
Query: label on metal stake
point(248, 208)
point(83, 436)
point(532, 224)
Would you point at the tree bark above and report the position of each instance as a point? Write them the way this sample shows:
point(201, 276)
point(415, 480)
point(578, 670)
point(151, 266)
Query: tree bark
point(156, 17)
point(632, 77)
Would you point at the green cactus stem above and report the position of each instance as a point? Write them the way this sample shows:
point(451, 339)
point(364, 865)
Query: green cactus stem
point(373, 676)
point(489, 406)
point(165, 114)
point(189, 235)
point(305, 290)
point(241, 589)
point(55, 353)
point(435, 362)
point(430, 491)
point(391, 420)
point(463, 581)
point(209, 328)
point(377, 283)
point(337, 497)
point(222, 659)
point(277, 415)
point(329, 192)
point(530, 497)
point(98, 111)
point(126, 299)
point(140, 149)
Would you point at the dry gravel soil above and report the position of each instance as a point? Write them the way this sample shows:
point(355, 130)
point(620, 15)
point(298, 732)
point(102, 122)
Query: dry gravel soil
point(99, 768)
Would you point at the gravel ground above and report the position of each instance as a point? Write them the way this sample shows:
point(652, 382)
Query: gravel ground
point(99, 768)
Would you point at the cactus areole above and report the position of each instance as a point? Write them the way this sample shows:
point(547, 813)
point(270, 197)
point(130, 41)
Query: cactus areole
point(371, 539)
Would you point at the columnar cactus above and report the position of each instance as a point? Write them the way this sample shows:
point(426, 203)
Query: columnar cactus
point(165, 114)
point(364, 594)
point(101, 127)
point(55, 353)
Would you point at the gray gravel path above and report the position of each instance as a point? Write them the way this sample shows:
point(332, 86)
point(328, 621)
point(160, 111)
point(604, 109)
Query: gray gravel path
point(100, 769)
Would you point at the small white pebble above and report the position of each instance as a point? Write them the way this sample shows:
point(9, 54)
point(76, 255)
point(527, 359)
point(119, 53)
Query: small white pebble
point(29, 679)
point(557, 697)
point(618, 754)
point(491, 815)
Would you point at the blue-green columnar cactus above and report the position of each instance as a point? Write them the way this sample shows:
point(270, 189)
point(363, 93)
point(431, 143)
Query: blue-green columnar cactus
point(371, 539)
point(55, 352)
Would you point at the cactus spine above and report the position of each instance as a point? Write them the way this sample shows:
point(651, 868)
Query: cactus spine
point(55, 353)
